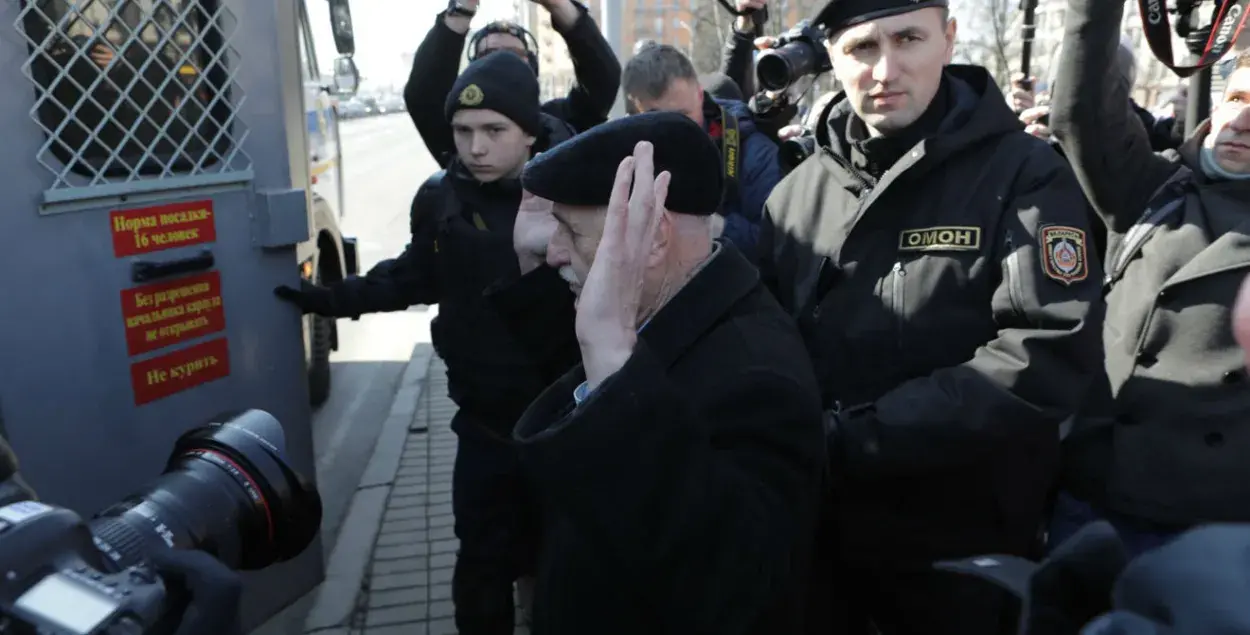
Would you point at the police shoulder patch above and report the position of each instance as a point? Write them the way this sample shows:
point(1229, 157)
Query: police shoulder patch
point(471, 95)
point(1065, 254)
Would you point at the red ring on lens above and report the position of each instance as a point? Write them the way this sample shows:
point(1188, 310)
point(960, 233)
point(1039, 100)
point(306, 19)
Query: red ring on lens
point(264, 504)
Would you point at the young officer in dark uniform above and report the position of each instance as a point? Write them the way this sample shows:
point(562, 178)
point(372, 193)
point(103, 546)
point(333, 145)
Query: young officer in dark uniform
point(679, 466)
point(437, 61)
point(461, 242)
point(936, 259)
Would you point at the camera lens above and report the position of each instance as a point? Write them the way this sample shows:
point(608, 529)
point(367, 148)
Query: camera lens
point(794, 151)
point(772, 70)
point(780, 67)
point(228, 490)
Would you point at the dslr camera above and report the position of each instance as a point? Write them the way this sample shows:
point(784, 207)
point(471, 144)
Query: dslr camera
point(800, 52)
point(227, 490)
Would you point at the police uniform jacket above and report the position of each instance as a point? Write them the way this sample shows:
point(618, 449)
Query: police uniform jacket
point(1174, 448)
point(680, 496)
point(461, 244)
point(950, 310)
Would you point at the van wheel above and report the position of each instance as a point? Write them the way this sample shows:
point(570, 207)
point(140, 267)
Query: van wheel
point(319, 362)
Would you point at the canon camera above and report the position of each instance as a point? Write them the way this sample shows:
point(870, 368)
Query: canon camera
point(798, 53)
point(227, 490)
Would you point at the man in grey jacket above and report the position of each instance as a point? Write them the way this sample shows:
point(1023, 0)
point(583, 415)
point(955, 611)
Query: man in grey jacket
point(1167, 451)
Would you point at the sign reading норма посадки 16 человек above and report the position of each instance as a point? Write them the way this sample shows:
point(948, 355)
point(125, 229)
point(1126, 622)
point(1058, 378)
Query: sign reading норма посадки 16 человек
point(163, 314)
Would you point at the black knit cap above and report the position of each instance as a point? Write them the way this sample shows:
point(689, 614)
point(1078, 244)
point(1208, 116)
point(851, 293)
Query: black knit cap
point(840, 14)
point(582, 170)
point(501, 82)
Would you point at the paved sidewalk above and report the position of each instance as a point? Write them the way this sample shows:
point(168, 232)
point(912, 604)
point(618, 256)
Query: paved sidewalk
point(407, 588)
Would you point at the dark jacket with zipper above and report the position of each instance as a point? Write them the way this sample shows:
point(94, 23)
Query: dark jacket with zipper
point(1173, 447)
point(437, 64)
point(461, 244)
point(950, 306)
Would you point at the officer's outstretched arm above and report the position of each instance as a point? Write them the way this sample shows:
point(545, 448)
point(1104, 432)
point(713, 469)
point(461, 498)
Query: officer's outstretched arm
point(409, 278)
point(434, 70)
point(596, 67)
point(1025, 382)
point(1092, 117)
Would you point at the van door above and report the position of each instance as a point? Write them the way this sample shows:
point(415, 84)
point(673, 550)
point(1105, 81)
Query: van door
point(152, 155)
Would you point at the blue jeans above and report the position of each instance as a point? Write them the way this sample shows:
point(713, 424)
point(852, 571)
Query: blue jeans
point(1070, 514)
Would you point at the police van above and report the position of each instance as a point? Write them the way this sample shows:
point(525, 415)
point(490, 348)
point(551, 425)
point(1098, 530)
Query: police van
point(167, 164)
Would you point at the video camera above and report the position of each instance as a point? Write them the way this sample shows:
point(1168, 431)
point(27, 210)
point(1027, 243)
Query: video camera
point(227, 490)
point(799, 53)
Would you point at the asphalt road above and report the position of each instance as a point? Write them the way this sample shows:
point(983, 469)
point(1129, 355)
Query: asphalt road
point(384, 162)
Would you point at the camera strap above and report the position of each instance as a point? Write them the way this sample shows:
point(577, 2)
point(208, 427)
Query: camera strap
point(731, 152)
point(1229, 20)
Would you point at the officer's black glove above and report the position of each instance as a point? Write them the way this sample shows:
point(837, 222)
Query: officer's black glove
point(214, 591)
point(310, 298)
point(1073, 585)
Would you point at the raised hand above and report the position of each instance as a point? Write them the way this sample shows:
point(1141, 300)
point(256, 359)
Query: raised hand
point(532, 230)
point(611, 298)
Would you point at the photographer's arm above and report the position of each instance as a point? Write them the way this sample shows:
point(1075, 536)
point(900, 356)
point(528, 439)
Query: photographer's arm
point(1092, 117)
point(738, 60)
point(434, 70)
point(595, 65)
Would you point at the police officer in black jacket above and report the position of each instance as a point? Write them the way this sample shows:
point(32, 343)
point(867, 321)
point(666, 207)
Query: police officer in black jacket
point(462, 232)
point(937, 259)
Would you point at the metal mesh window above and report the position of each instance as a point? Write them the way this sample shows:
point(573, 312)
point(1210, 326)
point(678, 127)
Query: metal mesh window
point(127, 90)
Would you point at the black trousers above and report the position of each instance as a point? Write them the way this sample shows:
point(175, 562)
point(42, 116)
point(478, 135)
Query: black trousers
point(496, 523)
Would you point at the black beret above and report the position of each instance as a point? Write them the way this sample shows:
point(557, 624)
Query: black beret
point(501, 82)
point(582, 170)
point(840, 14)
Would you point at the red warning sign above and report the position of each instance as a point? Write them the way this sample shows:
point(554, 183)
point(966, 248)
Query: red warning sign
point(175, 372)
point(160, 315)
point(143, 231)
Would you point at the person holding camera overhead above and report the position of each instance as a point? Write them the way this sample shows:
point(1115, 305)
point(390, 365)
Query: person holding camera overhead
point(437, 63)
point(936, 258)
point(1170, 451)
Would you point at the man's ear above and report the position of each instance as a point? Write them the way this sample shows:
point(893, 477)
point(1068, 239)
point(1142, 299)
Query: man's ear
point(664, 235)
point(952, 29)
point(530, 141)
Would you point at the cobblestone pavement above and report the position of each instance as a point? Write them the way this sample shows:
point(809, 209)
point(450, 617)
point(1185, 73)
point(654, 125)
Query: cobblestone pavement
point(408, 588)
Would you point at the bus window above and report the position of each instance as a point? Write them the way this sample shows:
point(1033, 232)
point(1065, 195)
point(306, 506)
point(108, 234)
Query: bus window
point(307, 55)
point(129, 88)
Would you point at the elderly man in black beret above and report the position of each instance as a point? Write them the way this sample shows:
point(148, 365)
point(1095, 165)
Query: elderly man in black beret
point(680, 463)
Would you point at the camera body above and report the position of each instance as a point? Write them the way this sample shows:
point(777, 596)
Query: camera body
point(799, 52)
point(227, 490)
point(76, 592)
